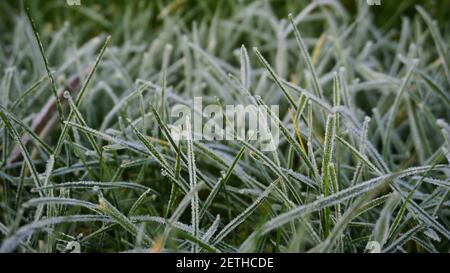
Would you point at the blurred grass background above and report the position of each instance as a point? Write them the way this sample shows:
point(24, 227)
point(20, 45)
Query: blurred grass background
point(99, 16)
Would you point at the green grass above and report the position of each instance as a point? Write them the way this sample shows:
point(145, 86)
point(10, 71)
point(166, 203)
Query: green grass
point(364, 119)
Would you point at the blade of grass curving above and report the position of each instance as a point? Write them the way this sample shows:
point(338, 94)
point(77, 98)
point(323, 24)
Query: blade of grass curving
point(60, 201)
point(108, 209)
point(157, 156)
point(435, 87)
point(212, 229)
point(46, 64)
point(275, 78)
point(244, 215)
point(80, 96)
point(301, 44)
point(438, 40)
point(94, 185)
point(199, 243)
point(139, 202)
point(33, 87)
point(362, 157)
point(120, 104)
point(32, 134)
point(10, 243)
point(221, 183)
point(15, 135)
point(123, 143)
point(394, 108)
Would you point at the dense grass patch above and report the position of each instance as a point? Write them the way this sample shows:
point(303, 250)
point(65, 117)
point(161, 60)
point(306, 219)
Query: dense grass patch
point(364, 126)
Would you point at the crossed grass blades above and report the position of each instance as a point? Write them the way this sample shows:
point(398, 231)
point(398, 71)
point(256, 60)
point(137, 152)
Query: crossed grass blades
point(365, 140)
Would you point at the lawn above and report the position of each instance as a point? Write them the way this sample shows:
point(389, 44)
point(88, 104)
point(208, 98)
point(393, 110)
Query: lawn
point(357, 105)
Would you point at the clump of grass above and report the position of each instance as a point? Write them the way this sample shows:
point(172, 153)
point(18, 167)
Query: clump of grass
point(365, 136)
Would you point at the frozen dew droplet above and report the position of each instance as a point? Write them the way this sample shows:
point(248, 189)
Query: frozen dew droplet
point(163, 172)
point(66, 94)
